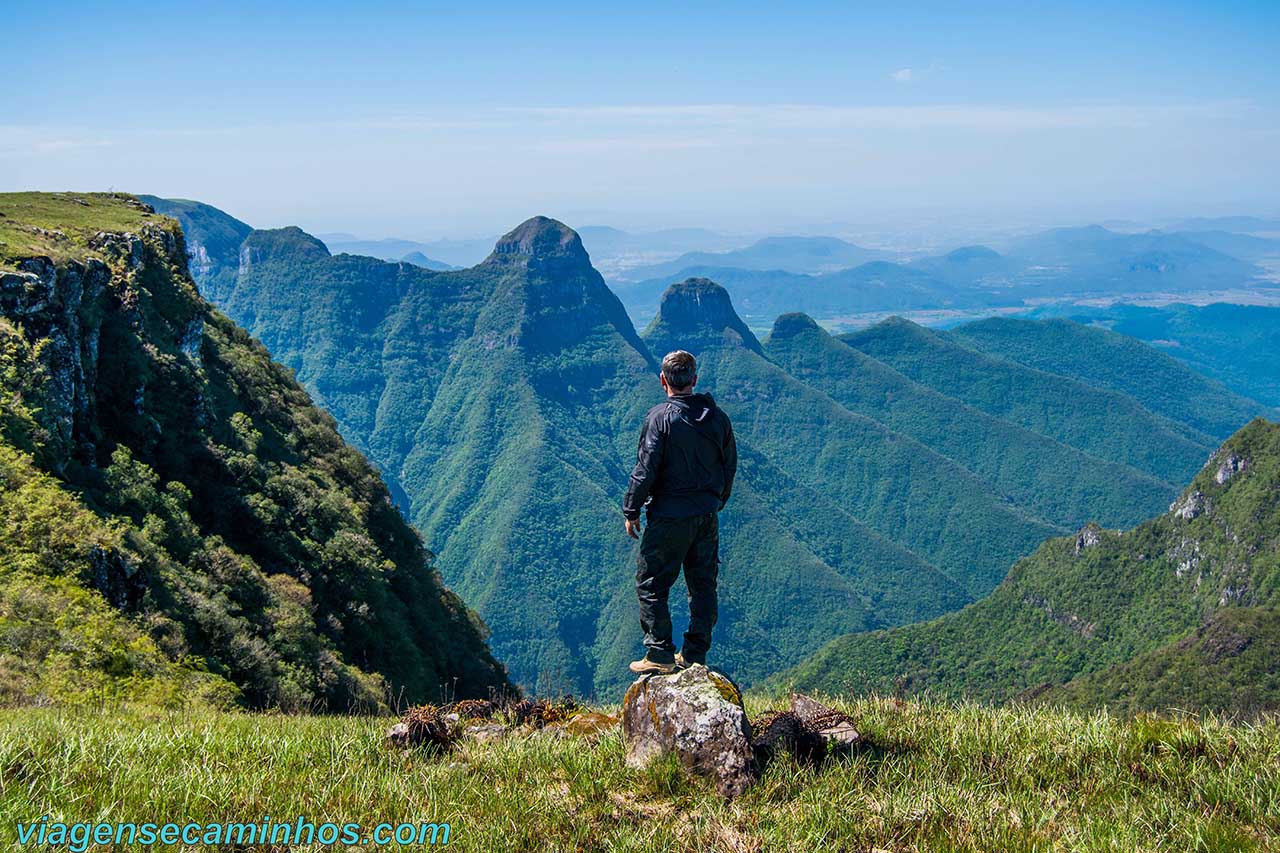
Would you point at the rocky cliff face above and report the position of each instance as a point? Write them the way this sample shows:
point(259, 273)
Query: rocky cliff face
point(697, 311)
point(257, 540)
point(65, 307)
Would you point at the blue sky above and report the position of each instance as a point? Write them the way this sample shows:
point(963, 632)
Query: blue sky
point(425, 120)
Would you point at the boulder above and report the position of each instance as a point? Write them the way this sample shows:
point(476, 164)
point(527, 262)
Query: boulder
point(697, 715)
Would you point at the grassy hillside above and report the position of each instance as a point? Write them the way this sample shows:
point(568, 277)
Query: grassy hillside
point(931, 777)
point(221, 514)
point(61, 226)
point(1127, 607)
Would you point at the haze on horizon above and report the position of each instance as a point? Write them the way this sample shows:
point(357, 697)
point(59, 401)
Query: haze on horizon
point(470, 119)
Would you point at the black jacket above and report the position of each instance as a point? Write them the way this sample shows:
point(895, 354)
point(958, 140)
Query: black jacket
point(686, 461)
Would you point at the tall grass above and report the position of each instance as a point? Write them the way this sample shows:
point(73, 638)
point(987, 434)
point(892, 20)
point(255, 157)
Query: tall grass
point(932, 776)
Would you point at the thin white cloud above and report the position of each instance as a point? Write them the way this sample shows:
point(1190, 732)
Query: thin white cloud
point(907, 76)
point(625, 143)
point(758, 118)
point(653, 126)
point(29, 140)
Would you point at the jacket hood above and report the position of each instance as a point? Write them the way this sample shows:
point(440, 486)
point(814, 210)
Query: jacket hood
point(698, 406)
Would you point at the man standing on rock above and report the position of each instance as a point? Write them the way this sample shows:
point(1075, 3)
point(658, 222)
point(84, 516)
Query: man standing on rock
point(684, 472)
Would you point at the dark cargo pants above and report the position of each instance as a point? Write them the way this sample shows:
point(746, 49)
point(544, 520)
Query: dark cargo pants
point(667, 544)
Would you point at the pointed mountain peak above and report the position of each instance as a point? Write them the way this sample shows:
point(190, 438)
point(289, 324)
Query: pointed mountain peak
point(541, 238)
point(793, 324)
point(698, 309)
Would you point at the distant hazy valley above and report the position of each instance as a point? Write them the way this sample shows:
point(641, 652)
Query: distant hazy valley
point(845, 285)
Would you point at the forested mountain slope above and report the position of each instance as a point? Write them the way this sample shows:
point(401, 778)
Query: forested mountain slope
point(189, 482)
point(1102, 422)
point(1062, 484)
point(1177, 612)
point(502, 403)
point(1239, 345)
point(893, 483)
point(1105, 359)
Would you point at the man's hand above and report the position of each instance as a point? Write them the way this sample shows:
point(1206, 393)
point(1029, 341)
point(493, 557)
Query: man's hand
point(633, 527)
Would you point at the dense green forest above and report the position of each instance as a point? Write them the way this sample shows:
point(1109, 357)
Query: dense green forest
point(1117, 362)
point(879, 488)
point(1238, 345)
point(177, 512)
point(1063, 484)
point(1105, 423)
point(1178, 612)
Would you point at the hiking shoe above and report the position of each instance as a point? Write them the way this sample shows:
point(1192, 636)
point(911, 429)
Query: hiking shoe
point(683, 662)
point(648, 666)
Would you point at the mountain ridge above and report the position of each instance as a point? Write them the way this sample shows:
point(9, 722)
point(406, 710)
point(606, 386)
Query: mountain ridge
point(502, 402)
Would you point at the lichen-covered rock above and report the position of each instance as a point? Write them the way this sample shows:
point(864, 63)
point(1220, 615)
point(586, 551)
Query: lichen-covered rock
point(697, 715)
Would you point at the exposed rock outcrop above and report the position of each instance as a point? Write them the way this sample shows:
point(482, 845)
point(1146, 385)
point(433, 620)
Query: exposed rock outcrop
point(1231, 465)
point(69, 304)
point(697, 715)
point(1191, 506)
point(541, 237)
point(1089, 536)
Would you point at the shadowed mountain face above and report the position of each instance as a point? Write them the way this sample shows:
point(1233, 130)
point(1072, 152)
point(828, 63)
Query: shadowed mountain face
point(503, 403)
point(1179, 612)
